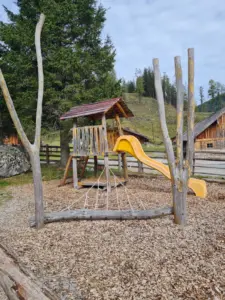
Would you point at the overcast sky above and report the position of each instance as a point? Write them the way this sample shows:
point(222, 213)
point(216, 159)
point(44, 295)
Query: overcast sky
point(143, 29)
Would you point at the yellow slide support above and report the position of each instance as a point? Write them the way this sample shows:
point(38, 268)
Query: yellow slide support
point(131, 145)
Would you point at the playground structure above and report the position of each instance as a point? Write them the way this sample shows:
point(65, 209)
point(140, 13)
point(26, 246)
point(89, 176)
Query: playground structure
point(95, 140)
point(131, 145)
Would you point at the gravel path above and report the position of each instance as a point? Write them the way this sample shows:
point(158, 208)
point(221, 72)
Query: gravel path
point(152, 259)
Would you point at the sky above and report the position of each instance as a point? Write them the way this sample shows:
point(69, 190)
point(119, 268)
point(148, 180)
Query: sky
point(144, 29)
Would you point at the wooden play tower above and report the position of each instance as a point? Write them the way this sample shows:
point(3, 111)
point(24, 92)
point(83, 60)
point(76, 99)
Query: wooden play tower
point(95, 140)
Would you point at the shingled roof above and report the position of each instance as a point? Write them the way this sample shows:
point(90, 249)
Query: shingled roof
point(109, 107)
point(135, 133)
point(201, 126)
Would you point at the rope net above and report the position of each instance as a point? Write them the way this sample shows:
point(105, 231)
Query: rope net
point(98, 198)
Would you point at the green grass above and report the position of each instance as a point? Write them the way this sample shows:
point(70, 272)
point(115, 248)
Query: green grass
point(48, 173)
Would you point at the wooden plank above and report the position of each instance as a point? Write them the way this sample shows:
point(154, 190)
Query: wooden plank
point(63, 181)
point(18, 283)
point(96, 141)
point(121, 109)
point(84, 167)
point(87, 214)
point(91, 140)
point(95, 166)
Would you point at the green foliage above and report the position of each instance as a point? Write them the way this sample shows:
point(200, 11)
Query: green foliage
point(217, 93)
point(139, 87)
point(78, 64)
point(130, 87)
point(212, 105)
point(212, 89)
point(145, 86)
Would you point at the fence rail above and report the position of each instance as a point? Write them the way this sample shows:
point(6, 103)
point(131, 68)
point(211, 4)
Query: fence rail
point(203, 165)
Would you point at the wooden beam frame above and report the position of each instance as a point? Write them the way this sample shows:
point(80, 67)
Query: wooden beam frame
point(121, 110)
point(106, 153)
point(123, 155)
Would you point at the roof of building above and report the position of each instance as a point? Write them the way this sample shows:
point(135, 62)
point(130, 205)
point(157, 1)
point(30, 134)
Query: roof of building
point(126, 129)
point(201, 126)
point(109, 107)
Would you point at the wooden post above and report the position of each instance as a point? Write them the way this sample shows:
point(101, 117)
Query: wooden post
point(106, 154)
point(47, 154)
point(191, 112)
point(124, 160)
point(119, 162)
point(180, 173)
point(32, 149)
point(140, 167)
point(95, 165)
point(75, 175)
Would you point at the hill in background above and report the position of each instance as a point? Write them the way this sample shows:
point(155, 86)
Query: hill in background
point(212, 105)
point(145, 120)
point(146, 117)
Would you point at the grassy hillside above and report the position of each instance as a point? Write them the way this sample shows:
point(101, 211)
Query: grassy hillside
point(145, 120)
point(212, 105)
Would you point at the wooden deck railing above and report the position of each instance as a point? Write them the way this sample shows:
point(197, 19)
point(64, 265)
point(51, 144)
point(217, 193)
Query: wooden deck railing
point(88, 140)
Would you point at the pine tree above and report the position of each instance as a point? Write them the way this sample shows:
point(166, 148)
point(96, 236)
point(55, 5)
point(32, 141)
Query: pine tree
point(201, 93)
point(139, 87)
point(212, 89)
point(78, 64)
point(130, 86)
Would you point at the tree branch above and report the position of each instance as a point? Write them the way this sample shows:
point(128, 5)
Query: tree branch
point(160, 99)
point(180, 111)
point(13, 113)
point(40, 80)
point(191, 112)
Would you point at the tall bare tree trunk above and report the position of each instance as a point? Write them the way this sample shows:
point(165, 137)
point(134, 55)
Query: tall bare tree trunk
point(38, 188)
point(1, 128)
point(180, 171)
point(32, 149)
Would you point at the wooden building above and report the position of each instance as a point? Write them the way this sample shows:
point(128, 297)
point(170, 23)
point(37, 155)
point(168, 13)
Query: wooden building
point(95, 140)
point(113, 135)
point(11, 140)
point(210, 133)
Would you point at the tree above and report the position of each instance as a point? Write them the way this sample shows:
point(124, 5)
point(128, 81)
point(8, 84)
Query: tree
point(212, 89)
point(130, 86)
point(32, 149)
point(180, 171)
point(139, 87)
point(201, 93)
point(77, 62)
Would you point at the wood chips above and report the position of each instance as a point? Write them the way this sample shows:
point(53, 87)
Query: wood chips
point(153, 259)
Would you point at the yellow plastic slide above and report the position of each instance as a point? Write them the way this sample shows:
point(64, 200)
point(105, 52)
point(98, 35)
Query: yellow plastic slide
point(131, 145)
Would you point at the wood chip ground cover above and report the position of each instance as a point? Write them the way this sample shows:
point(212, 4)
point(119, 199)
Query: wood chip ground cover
point(153, 259)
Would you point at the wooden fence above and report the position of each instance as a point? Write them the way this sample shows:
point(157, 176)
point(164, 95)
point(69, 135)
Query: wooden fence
point(206, 163)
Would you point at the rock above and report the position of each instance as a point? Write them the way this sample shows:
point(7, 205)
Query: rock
point(13, 161)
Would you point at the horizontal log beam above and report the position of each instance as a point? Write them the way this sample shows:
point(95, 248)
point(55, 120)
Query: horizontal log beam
point(87, 214)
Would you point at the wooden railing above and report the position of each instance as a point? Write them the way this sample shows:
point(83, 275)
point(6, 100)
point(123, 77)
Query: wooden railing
point(88, 140)
point(206, 163)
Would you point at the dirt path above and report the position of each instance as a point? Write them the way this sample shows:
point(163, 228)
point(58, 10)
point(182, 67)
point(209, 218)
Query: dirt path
point(138, 260)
